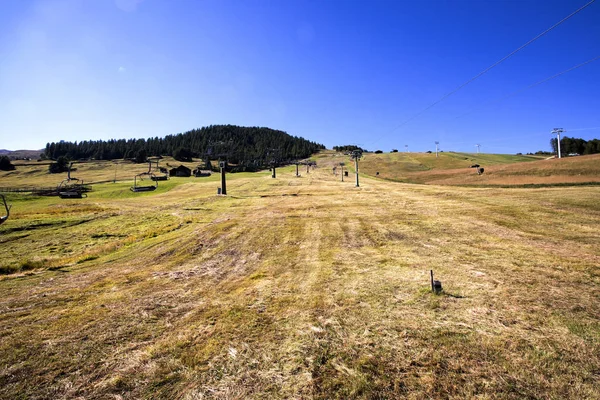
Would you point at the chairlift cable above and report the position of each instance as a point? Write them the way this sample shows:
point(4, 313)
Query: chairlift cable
point(444, 97)
point(531, 86)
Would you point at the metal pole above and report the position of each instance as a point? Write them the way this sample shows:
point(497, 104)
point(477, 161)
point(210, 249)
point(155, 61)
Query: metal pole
point(558, 131)
point(297, 170)
point(223, 184)
point(356, 166)
point(274, 175)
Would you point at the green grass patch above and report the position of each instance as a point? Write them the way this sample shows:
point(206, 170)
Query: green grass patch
point(89, 257)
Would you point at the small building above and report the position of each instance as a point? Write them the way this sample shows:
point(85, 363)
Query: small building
point(182, 171)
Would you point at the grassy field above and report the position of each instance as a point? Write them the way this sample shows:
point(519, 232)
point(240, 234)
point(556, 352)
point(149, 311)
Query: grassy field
point(300, 288)
point(34, 173)
point(500, 169)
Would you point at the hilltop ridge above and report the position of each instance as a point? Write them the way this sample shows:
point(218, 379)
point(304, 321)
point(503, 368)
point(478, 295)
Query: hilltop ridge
point(241, 145)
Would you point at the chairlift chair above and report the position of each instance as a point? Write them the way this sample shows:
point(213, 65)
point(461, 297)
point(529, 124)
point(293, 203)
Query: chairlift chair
point(74, 191)
point(163, 177)
point(148, 188)
point(72, 194)
point(7, 207)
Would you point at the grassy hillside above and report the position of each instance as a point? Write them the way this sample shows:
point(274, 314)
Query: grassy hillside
point(301, 288)
point(500, 169)
point(32, 173)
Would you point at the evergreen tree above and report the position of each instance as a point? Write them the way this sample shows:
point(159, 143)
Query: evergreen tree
point(182, 154)
point(5, 164)
point(570, 145)
point(246, 146)
point(141, 156)
point(61, 165)
point(348, 148)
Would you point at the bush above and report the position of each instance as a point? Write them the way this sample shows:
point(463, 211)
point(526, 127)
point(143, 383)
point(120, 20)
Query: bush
point(61, 165)
point(5, 164)
point(394, 150)
point(378, 151)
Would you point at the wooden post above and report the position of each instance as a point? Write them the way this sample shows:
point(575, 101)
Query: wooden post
point(432, 288)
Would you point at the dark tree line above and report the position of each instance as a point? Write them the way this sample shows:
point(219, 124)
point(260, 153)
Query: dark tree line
point(576, 146)
point(239, 145)
point(348, 148)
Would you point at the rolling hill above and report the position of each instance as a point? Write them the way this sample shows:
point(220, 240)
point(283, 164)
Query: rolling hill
point(500, 169)
point(16, 154)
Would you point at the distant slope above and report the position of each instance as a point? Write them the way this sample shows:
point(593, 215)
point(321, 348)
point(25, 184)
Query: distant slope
point(17, 154)
point(500, 169)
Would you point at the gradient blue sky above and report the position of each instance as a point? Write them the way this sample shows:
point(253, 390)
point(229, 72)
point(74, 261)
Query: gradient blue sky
point(335, 72)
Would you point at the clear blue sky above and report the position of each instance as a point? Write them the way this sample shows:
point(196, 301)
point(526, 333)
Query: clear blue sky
point(335, 72)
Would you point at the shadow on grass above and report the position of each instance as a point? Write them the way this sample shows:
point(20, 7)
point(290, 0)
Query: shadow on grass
point(448, 294)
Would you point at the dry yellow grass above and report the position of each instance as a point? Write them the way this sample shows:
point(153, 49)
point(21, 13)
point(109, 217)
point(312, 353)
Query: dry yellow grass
point(302, 288)
point(453, 169)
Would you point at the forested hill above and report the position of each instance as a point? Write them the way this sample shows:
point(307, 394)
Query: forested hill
point(239, 145)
